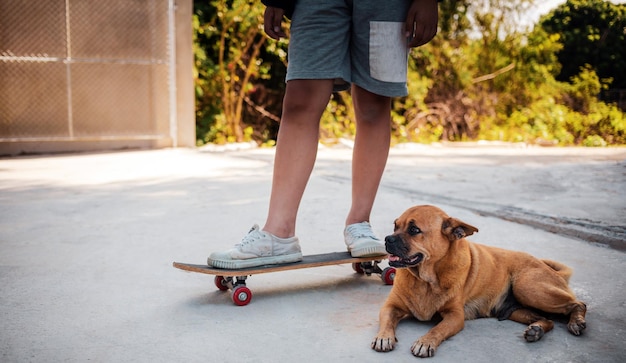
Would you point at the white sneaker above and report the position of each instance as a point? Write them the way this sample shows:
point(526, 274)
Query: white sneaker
point(362, 242)
point(258, 248)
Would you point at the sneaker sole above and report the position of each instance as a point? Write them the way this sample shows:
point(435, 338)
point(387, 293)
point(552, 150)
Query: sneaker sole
point(370, 251)
point(255, 262)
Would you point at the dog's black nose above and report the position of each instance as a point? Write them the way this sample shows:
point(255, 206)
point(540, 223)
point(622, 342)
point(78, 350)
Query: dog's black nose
point(390, 239)
point(394, 245)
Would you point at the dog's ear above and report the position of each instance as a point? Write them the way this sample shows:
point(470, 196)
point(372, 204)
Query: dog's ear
point(456, 229)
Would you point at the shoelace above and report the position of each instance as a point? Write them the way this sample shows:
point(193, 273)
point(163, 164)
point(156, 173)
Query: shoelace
point(253, 235)
point(361, 230)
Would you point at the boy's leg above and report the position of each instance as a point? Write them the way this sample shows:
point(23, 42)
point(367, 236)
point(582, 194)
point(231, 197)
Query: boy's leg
point(296, 149)
point(378, 50)
point(371, 149)
point(304, 102)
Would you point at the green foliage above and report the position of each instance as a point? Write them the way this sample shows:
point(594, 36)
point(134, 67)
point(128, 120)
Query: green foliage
point(480, 78)
point(571, 116)
point(237, 71)
point(592, 32)
point(338, 118)
point(204, 70)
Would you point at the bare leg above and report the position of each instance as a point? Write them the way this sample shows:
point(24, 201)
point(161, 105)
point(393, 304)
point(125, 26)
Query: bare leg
point(371, 149)
point(296, 149)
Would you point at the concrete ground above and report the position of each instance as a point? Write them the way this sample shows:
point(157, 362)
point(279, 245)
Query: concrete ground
point(87, 243)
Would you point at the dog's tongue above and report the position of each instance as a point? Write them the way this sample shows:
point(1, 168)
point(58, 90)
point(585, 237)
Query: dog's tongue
point(393, 258)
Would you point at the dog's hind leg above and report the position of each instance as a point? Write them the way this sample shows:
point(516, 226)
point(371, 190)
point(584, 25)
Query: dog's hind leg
point(547, 290)
point(577, 322)
point(537, 324)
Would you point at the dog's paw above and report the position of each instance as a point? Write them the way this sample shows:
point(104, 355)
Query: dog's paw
point(533, 333)
point(577, 327)
point(423, 349)
point(384, 344)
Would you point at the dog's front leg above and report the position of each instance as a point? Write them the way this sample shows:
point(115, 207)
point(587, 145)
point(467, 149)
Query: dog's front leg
point(452, 323)
point(389, 317)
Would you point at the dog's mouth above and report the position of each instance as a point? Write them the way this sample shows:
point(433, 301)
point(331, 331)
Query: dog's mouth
point(414, 260)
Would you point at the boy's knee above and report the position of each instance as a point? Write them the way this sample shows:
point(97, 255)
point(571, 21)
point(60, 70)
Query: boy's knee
point(374, 111)
point(306, 96)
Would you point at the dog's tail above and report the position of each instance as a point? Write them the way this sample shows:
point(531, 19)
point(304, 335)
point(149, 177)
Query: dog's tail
point(561, 269)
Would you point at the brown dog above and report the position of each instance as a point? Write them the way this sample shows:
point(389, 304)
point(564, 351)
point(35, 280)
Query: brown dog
point(440, 272)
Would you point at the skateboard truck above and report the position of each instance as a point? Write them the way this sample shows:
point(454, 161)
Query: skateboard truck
point(367, 268)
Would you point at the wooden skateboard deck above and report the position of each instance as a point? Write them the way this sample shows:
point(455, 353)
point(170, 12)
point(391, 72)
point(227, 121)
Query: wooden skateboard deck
point(235, 280)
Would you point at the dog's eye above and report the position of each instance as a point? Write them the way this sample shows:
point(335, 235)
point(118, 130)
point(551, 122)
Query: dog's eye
point(414, 230)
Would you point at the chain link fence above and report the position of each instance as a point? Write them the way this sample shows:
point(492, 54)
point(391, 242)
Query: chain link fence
point(84, 70)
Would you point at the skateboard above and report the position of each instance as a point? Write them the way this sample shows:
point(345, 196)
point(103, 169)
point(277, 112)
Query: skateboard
point(235, 280)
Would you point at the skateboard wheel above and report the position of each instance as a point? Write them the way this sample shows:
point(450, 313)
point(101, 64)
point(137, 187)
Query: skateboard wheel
point(388, 275)
point(357, 268)
point(220, 282)
point(241, 295)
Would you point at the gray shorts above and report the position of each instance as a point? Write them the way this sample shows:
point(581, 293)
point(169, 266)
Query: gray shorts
point(359, 41)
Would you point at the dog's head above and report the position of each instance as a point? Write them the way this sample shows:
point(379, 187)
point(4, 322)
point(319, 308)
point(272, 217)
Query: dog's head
point(423, 233)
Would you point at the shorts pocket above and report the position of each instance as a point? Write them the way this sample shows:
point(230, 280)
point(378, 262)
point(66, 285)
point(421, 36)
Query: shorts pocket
point(388, 52)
